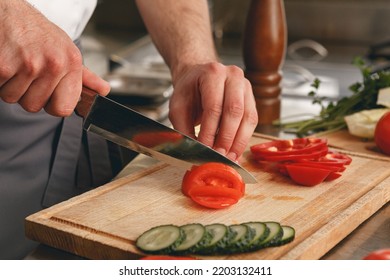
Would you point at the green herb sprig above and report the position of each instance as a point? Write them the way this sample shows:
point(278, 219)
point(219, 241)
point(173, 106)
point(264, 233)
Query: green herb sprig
point(331, 117)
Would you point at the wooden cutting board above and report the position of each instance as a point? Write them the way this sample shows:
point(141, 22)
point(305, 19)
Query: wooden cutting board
point(105, 222)
point(342, 139)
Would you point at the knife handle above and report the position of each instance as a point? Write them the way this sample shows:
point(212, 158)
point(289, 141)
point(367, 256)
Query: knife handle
point(86, 100)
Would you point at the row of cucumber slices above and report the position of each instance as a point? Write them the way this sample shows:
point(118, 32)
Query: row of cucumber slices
point(214, 239)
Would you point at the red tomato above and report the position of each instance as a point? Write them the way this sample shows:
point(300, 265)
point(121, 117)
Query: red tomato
point(331, 159)
point(307, 161)
point(167, 257)
point(312, 155)
point(307, 175)
point(188, 181)
point(213, 185)
point(382, 134)
point(295, 146)
point(215, 197)
point(382, 254)
point(336, 158)
point(317, 165)
point(333, 176)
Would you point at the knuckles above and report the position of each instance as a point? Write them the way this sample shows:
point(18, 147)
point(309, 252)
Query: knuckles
point(251, 118)
point(217, 68)
point(214, 110)
point(6, 72)
point(235, 110)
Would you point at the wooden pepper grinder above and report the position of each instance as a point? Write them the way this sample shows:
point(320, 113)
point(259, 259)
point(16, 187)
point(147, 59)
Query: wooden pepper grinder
point(264, 47)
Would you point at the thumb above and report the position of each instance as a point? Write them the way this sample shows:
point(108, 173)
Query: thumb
point(94, 82)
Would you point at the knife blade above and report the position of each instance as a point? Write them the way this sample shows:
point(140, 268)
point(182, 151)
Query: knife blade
point(129, 128)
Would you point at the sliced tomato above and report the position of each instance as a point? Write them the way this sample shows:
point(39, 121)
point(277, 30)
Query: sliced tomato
point(306, 175)
point(314, 164)
point(167, 257)
point(324, 165)
point(335, 157)
point(333, 176)
point(288, 147)
point(330, 159)
point(213, 174)
point(216, 197)
point(313, 155)
point(188, 181)
point(307, 161)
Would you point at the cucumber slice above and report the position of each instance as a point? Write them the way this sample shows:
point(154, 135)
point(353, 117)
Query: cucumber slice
point(288, 235)
point(261, 233)
point(220, 236)
point(275, 234)
point(196, 236)
point(243, 235)
point(160, 239)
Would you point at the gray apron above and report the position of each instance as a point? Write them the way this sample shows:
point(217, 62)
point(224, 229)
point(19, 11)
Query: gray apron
point(45, 160)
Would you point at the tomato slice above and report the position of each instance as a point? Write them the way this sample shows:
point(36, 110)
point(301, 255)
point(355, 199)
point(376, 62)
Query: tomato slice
point(288, 147)
point(330, 159)
point(167, 257)
point(213, 174)
point(294, 157)
point(306, 175)
point(216, 197)
point(333, 176)
point(335, 157)
point(315, 164)
point(188, 181)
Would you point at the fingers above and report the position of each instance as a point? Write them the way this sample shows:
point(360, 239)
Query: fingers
point(212, 90)
point(14, 87)
point(95, 82)
point(229, 117)
point(65, 96)
point(181, 116)
point(246, 128)
point(233, 111)
point(56, 94)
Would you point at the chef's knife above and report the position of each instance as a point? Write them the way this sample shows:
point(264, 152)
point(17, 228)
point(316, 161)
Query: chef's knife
point(128, 128)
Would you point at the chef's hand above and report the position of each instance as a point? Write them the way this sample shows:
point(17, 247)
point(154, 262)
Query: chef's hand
point(220, 99)
point(41, 68)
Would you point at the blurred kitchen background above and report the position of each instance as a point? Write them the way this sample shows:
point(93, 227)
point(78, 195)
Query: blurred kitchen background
point(324, 36)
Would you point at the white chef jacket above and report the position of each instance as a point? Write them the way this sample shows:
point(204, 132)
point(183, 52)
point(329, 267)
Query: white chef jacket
point(70, 15)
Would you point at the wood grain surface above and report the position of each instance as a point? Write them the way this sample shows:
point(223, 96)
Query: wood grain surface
point(342, 139)
point(105, 222)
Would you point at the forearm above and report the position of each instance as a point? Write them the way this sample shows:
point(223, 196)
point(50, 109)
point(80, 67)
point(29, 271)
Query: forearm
point(180, 30)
